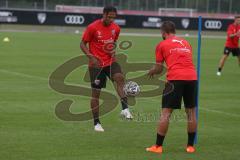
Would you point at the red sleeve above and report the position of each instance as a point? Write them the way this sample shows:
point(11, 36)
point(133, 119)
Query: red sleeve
point(117, 33)
point(159, 54)
point(230, 30)
point(88, 34)
point(190, 46)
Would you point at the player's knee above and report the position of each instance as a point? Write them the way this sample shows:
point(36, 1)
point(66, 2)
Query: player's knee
point(191, 114)
point(225, 56)
point(165, 117)
point(118, 78)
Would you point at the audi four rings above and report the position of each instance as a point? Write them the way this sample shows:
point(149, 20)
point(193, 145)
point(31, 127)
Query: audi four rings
point(213, 24)
point(74, 19)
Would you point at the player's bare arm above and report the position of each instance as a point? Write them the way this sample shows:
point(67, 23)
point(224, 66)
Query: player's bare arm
point(234, 34)
point(156, 69)
point(238, 34)
point(94, 60)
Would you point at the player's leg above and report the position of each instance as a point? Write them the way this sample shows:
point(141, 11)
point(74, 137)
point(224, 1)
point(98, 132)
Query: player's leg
point(98, 81)
point(170, 101)
point(191, 125)
point(236, 52)
point(117, 77)
point(223, 59)
point(95, 109)
point(163, 125)
point(189, 97)
point(161, 131)
point(119, 80)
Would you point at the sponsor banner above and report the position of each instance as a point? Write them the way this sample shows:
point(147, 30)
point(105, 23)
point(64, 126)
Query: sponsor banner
point(7, 17)
point(120, 22)
point(46, 18)
point(213, 24)
point(125, 21)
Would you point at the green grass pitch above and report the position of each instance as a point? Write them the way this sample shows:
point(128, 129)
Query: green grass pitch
point(30, 130)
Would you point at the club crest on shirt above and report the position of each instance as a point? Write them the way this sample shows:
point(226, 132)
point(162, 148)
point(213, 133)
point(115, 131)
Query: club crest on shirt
point(113, 32)
point(99, 34)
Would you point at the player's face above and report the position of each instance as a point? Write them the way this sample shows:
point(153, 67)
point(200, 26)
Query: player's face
point(237, 21)
point(109, 17)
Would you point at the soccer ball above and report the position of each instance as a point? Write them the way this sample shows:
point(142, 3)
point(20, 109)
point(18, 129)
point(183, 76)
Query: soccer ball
point(131, 89)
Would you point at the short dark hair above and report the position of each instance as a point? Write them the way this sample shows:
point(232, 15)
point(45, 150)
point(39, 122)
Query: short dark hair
point(237, 17)
point(168, 27)
point(108, 9)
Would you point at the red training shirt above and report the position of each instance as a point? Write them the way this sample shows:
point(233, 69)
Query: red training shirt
point(232, 42)
point(100, 39)
point(177, 54)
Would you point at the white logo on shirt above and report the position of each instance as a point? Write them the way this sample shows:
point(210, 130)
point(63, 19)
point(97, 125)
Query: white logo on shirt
point(180, 50)
point(99, 34)
point(113, 32)
point(178, 41)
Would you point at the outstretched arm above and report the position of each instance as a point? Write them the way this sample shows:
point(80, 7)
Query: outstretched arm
point(156, 69)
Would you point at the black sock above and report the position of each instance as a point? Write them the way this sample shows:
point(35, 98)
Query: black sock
point(124, 103)
point(159, 140)
point(191, 137)
point(96, 121)
point(219, 69)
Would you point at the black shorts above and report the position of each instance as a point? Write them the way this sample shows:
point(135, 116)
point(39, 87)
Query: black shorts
point(186, 90)
point(98, 76)
point(234, 51)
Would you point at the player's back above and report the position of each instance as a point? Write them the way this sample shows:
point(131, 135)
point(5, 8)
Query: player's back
point(177, 54)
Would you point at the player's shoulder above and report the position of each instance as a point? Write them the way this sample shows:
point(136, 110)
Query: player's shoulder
point(115, 26)
point(160, 45)
point(230, 26)
point(94, 24)
point(170, 40)
point(181, 39)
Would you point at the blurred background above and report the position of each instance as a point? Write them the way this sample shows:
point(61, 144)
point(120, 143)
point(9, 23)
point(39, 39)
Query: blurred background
point(201, 6)
point(148, 14)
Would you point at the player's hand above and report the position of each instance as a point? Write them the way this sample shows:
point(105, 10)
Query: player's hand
point(151, 73)
point(238, 34)
point(95, 61)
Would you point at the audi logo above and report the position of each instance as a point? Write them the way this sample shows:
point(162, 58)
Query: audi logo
point(74, 19)
point(213, 24)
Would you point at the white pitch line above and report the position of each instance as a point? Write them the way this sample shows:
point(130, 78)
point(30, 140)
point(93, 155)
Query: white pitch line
point(46, 79)
point(29, 76)
point(220, 112)
point(123, 34)
point(23, 75)
point(180, 35)
point(206, 109)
